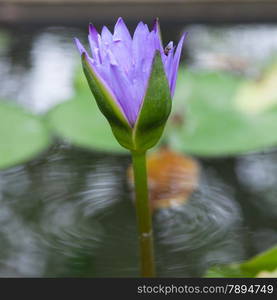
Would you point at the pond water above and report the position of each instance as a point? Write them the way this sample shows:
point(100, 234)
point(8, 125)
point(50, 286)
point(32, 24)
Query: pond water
point(69, 212)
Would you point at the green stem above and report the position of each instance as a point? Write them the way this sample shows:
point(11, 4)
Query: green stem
point(144, 218)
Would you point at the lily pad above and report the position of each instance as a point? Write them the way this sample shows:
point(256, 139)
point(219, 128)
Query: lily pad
point(80, 122)
point(266, 261)
point(261, 265)
point(22, 135)
point(255, 96)
point(210, 123)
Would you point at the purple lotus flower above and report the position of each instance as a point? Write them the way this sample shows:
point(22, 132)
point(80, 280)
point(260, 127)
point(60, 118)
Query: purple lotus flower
point(123, 63)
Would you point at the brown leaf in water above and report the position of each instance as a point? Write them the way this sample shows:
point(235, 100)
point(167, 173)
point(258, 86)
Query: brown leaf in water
point(172, 177)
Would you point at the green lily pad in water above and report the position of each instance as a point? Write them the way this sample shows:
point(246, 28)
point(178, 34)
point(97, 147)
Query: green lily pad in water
point(266, 261)
point(209, 120)
point(80, 122)
point(263, 264)
point(22, 135)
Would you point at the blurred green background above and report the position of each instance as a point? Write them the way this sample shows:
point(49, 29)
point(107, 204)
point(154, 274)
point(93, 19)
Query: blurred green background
point(65, 203)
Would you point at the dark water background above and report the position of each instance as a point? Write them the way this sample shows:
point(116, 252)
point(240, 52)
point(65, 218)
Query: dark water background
point(69, 212)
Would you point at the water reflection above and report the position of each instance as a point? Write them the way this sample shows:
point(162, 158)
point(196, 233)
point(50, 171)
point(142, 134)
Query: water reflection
point(257, 174)
point(101, 187)
point(53, 63)
point(203, 232)
point(38, 67)
point(43, 214)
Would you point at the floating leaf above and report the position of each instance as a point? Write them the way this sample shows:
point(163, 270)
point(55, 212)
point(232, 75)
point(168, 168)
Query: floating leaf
point(22, 135)
point(261, 265)
point(266, 261)
point(259, 95)
point(80, 122)
point(208, 121)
